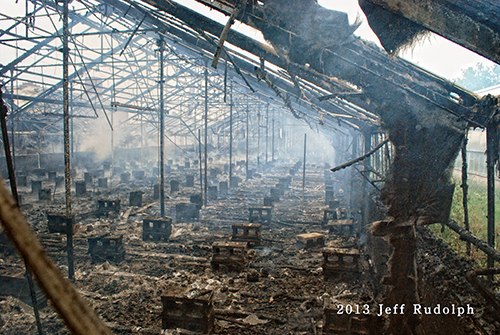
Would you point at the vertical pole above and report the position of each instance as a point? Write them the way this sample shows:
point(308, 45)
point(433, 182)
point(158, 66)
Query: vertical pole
point(206, 137)
point(366, 167)
point(225, 81)
point(67, 162)
point(12, 130)
point(72, 140)
point(111, 114)
point(267, 132)
point(465, 187)
point(201, 166)
point(39, 164)
point(230, 134)
point(353, 201)
point(304, 168)
point(142, 135)
point(491, 158)
point(258, 138)
point(272, 142)
point(246, 158)
point(162, 131)
point(13, 187)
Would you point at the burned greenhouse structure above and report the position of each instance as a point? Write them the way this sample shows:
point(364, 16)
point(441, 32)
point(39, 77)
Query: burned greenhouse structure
point(241, 167)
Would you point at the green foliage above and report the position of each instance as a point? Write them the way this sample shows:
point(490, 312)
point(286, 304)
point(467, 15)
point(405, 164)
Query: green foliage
point(479, 77)
point(478, 209)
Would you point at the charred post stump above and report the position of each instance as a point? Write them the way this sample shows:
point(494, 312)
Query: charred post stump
point(403, 273)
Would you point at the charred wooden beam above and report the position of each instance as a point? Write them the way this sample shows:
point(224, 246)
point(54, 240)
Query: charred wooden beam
point(360, 158)
point(474, 25)
point(224, 34)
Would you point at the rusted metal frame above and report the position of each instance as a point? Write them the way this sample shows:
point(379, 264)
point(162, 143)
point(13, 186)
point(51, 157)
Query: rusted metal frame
point(117, 83)
point(141, 77)
point(262, 75)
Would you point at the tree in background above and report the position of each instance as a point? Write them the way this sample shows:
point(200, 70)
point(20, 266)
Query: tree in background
point(479, 76)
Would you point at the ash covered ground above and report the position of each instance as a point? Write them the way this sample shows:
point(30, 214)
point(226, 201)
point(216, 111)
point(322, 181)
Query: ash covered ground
point(282, 289)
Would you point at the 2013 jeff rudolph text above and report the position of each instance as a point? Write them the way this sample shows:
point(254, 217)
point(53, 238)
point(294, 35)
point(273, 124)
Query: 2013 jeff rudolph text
point(420, 309)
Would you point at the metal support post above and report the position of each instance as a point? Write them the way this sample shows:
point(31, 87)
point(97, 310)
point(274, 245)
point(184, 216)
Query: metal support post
point(246, 158)
point(258, 138)
point(230, 135)
point(67, 161)
point(304, 168)
point(267, 132)
point(206, 138)
point(201, 164)
point(162, 131)
point(272, 142)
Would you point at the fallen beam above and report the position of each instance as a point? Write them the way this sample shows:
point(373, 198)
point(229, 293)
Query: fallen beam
point(360, 158)
point(469, 237)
